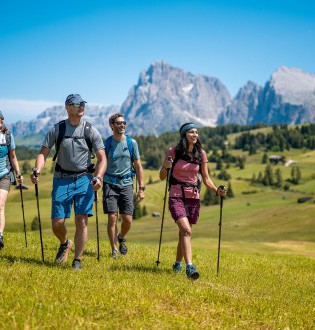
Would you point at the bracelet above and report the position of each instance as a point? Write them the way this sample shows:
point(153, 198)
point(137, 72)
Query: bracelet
point(97, 178)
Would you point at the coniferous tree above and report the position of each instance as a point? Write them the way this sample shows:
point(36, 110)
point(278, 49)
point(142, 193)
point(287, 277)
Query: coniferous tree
point(298, 175)
point(279, 180)
point(144, 211)
point(207, 197)
point(26, 167)
point(293, 171)
point(264, 159)
point(230, 192)
point(137, 213)
point(268, 179)
point(253, 180)
point(260, 178)
point(210, 198)
point(219, 165)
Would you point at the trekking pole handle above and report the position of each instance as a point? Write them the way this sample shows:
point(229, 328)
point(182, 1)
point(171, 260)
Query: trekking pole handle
point(35, 173)
point(221, 187)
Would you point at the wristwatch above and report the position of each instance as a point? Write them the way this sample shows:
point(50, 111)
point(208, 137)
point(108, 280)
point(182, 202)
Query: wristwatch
point(142, 188)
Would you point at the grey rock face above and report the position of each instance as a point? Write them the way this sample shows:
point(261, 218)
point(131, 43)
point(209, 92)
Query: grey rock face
point(289, 97)
point(166, 97)
point(243, 107)
point(96, 115)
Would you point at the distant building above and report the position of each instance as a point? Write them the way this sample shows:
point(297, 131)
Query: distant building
point(275, 159)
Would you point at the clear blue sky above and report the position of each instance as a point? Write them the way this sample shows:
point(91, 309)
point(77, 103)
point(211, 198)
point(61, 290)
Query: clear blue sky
point(98, 48)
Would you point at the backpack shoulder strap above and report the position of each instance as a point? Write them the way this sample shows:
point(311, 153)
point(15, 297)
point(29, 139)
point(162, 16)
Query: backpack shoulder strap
point(87, 135)
point(176, 159)
point(61, 134)
point(8, 138)
point(108, 145)
point(130, 147)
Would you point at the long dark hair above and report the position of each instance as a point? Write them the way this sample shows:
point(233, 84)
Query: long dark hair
point(182, 148)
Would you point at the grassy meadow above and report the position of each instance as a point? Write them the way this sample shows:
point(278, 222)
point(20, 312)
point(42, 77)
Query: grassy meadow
point(267, 266)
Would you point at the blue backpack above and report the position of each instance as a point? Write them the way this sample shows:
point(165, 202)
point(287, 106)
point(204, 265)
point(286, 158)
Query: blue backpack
point(108, 148)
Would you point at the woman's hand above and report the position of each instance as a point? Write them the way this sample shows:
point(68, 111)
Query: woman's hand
point(221, 191)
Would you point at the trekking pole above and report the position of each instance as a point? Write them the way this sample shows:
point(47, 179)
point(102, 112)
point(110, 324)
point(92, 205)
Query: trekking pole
point(166, 184)
point(39, 222)
point(22, 204)
point(220, 226)
point(96, 214)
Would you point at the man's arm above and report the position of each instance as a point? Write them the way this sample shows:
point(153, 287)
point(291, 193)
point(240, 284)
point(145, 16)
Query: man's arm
point(140, 179)
point(100, 168)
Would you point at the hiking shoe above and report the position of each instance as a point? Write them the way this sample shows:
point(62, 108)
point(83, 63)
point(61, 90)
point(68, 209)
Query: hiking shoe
point(192, 272)
point(115, 254)
point(122, 246)
point(76, 264)
point(62, 254)
point(177, 267)
point(1, 242)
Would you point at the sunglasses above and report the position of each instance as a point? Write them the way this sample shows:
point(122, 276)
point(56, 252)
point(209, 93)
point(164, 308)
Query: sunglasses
point(78, 105)
point(118, 123)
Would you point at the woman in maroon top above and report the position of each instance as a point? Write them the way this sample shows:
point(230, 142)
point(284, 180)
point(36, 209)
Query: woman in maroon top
point(188, 161)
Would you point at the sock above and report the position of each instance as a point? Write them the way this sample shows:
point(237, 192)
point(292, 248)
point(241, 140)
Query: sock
point(189, 264)
point(177, 262)
point(65, 244)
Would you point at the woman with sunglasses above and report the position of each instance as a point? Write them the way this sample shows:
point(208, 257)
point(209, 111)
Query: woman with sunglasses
point(8, 161)
point(184, 162)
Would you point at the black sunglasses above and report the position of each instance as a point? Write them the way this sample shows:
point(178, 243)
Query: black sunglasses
point(78, 105)
point(120, 123)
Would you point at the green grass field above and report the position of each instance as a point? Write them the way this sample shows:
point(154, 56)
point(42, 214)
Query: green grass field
point(266, 276)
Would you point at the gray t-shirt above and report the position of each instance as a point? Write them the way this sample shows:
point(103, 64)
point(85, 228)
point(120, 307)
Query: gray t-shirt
point(74, 154)
point(120, 164)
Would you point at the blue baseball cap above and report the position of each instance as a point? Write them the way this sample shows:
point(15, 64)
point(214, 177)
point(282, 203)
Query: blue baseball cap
point(1, 116)
point(74, 98)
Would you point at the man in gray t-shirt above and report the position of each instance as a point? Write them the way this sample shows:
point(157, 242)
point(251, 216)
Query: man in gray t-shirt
point(122, 158)
point(75, 177)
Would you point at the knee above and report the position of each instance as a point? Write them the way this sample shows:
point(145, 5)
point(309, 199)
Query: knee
point(81, 222)
point(186, 232)
point(57, 223)
point(2, 207)
point(112, 218)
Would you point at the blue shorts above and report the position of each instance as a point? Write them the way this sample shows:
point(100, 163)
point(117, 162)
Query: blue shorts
point(66, 192)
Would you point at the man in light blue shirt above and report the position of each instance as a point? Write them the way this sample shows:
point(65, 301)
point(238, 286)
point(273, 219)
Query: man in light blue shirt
point(123, 163)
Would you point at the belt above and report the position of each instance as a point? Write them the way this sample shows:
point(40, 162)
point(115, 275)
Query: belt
point(63, 175)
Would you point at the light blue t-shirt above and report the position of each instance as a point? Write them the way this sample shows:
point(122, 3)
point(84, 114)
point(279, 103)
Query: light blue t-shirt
point(119, 162)
point(4, 151)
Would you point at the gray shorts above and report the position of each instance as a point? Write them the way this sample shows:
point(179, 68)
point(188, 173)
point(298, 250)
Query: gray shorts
point(5, 183)
point(115, 197)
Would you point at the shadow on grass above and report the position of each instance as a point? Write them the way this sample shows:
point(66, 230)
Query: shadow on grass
point(12, 259)
point(141, 268)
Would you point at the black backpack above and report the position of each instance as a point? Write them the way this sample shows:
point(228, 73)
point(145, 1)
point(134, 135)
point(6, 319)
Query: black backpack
point(62, 132)
point(174, 181)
